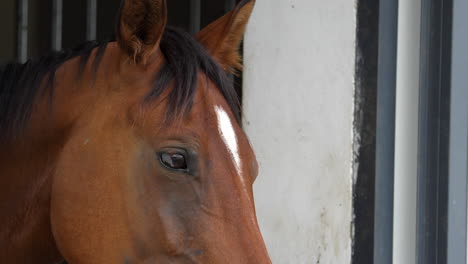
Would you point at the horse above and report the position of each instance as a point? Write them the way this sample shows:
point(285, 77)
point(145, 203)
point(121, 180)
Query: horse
point(131, 150)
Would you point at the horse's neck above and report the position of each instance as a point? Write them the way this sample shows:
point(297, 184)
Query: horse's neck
point(25, 185)
point(27, 161)
point(26, 170)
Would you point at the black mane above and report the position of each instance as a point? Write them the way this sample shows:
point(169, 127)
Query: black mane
point(185, 58)
point(20, 84)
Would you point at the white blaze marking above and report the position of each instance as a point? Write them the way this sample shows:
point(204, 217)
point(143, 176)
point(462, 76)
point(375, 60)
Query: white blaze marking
point(229, 137)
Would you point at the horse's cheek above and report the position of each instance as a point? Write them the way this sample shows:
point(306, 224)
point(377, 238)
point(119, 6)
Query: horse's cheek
point(86, 201)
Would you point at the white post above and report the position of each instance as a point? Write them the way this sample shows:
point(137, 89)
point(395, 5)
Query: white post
point(406, 133)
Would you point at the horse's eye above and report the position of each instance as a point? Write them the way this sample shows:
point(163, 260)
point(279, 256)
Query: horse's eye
point(175, 161)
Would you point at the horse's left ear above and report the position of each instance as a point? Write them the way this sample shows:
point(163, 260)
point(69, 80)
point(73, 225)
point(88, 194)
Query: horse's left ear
point(223, 37)
point(140, 27)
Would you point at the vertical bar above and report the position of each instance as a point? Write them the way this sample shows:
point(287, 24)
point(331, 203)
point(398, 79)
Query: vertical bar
point(195, 16)
point(406, 133)
point(57, 8)
point(435, 64)
point(385, 135)
point(91, 20)
point(458, 142)
point(22, 50)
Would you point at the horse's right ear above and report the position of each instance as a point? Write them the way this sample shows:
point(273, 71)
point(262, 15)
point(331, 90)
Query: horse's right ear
point(140, 27)
point(222, 38)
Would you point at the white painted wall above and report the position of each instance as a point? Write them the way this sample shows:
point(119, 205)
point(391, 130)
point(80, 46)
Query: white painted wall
point(298, 106)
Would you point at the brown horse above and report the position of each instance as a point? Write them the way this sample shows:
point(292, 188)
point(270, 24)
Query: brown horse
point(130, 151)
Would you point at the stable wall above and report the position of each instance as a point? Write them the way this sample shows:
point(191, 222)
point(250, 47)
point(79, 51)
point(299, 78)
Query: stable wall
point(298, 112)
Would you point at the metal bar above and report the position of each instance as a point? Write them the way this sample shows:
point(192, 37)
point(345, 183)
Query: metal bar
point(22, 50)
point(91, 20)
point(385, 134)
point(458, 143)
point(433, 137)
point(195, 16)
point(406, 133)
point(57, 19)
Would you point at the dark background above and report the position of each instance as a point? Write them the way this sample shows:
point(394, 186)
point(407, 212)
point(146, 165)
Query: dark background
point(74, 22)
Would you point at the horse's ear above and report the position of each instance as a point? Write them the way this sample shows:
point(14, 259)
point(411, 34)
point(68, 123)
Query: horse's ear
point(140, 27)
point(223, 37)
